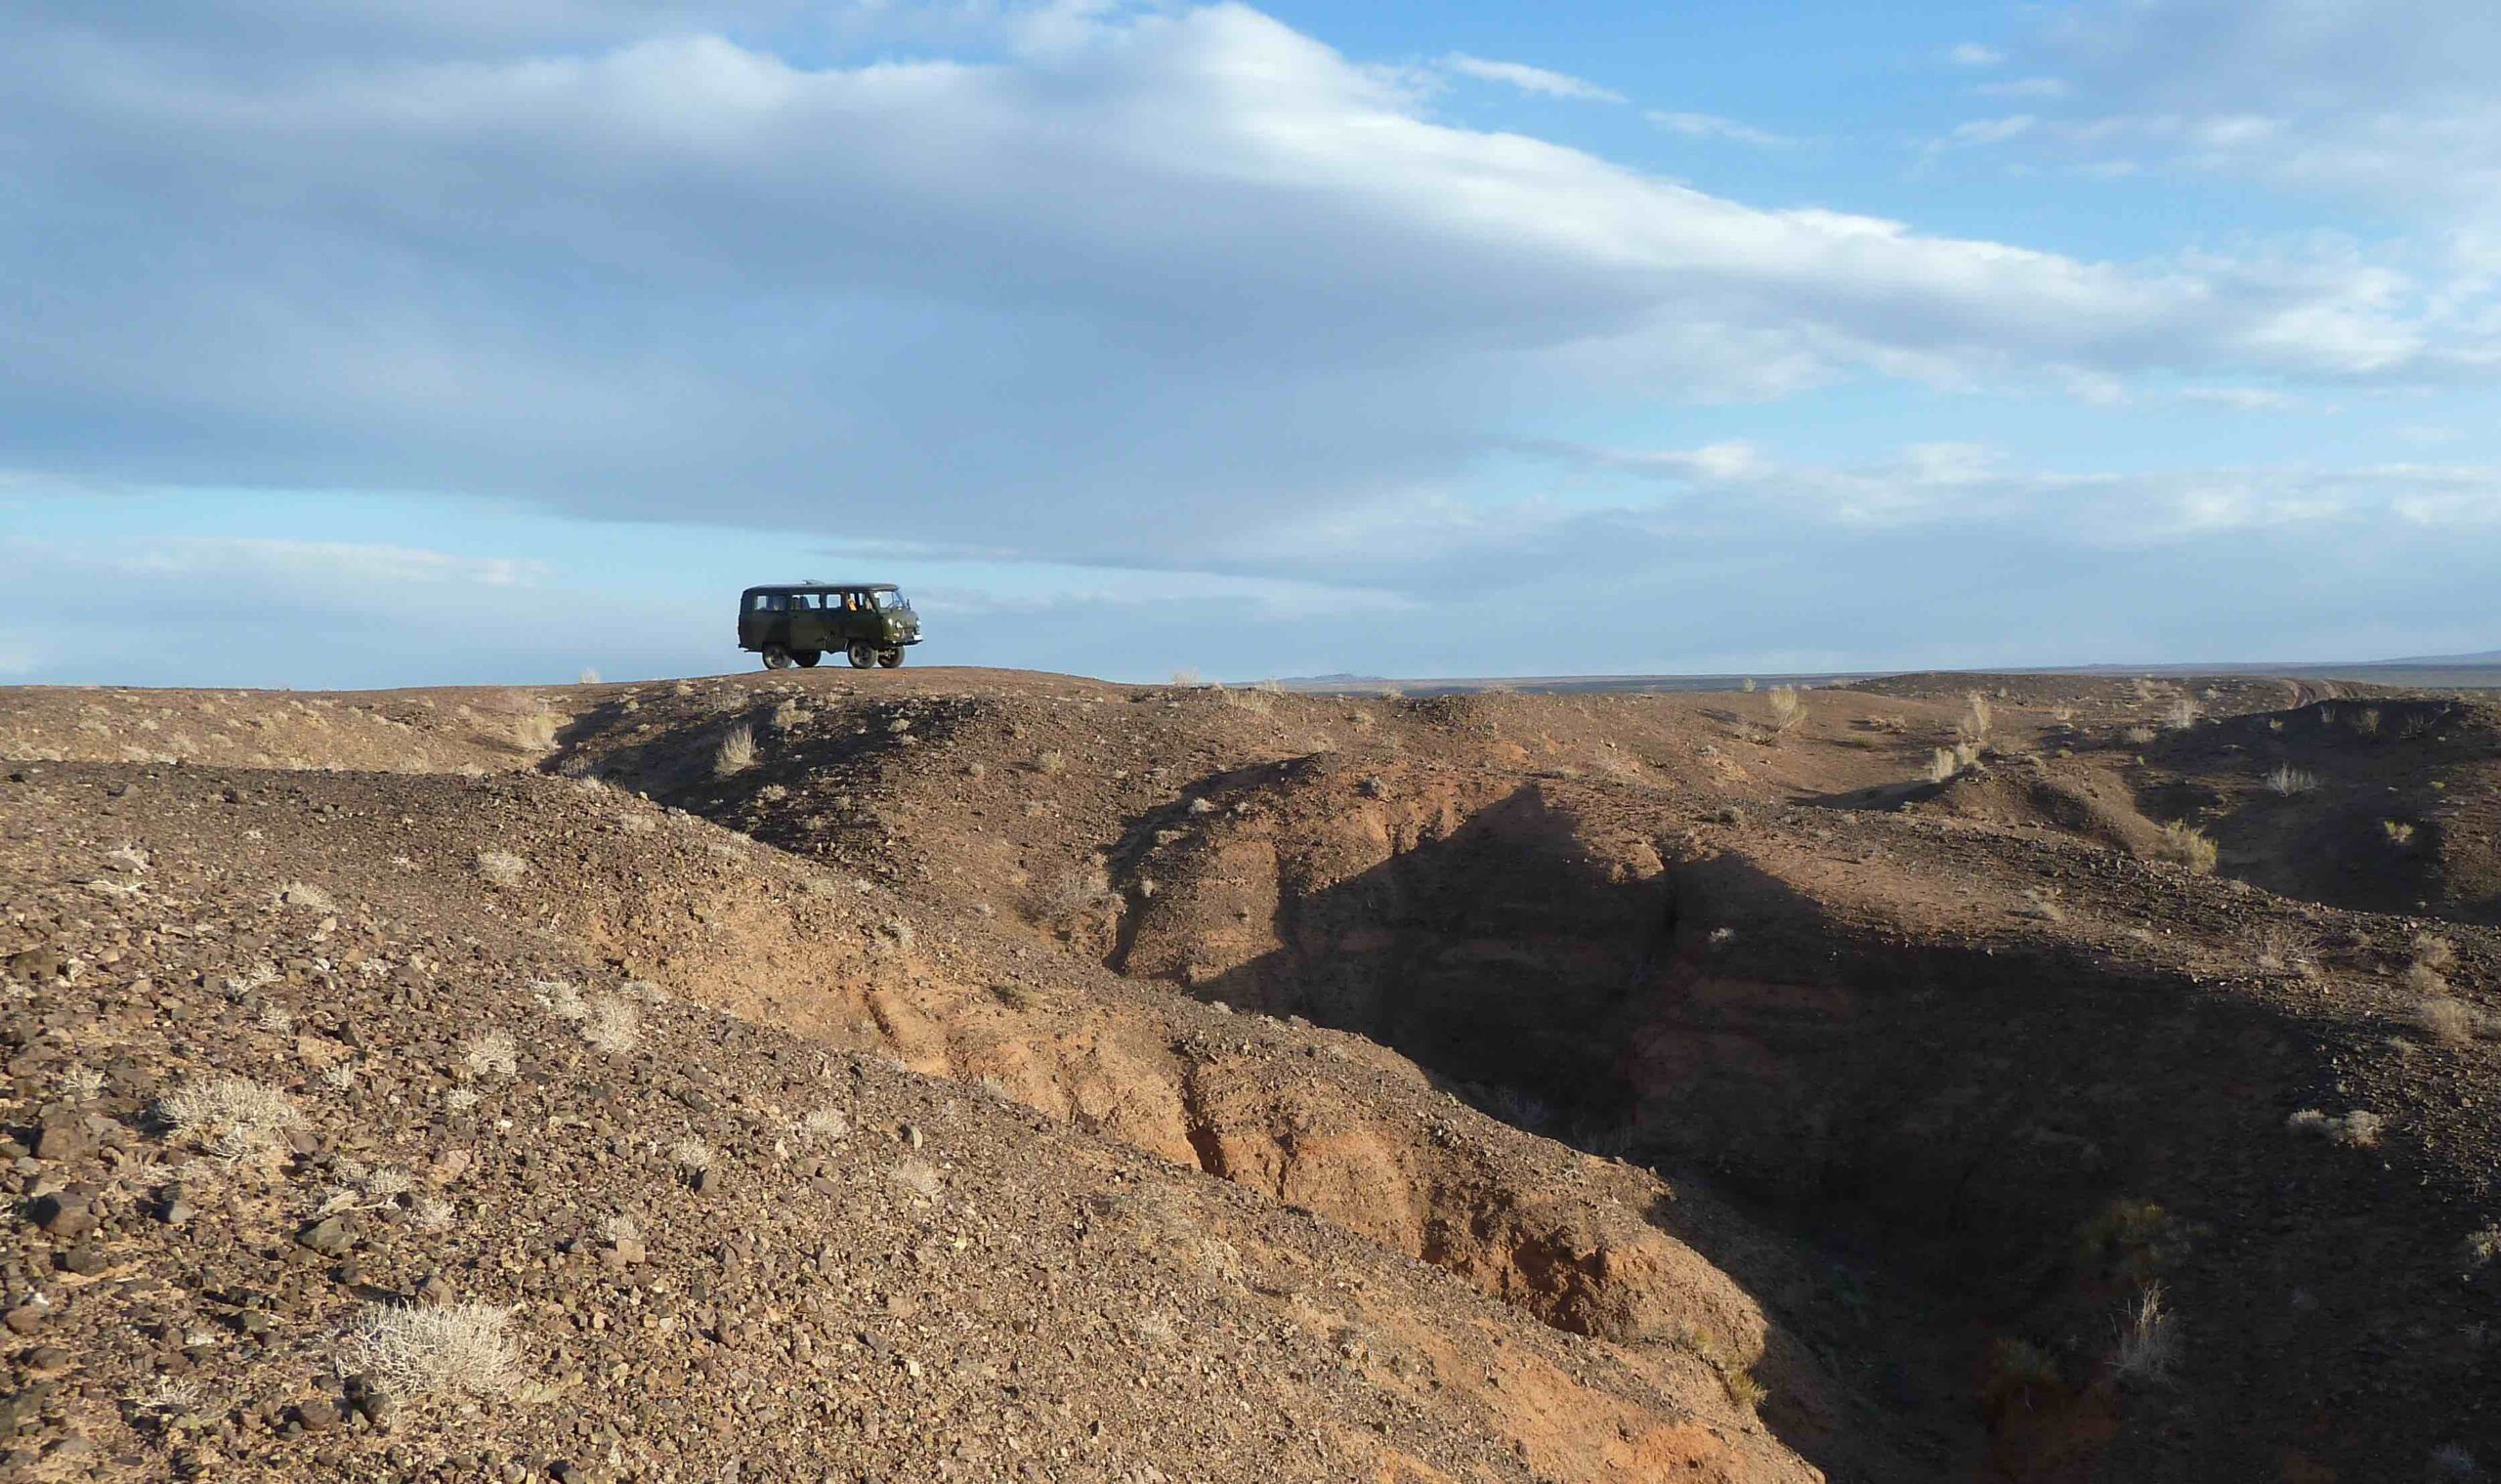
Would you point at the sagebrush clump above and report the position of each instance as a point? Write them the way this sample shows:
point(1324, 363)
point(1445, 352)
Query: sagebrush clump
point(491, 1052)
point(459, 1349)
point(501, 867)
point(231, 1117)
point(613, 1025)
point(2185, 844)
point(736, 754)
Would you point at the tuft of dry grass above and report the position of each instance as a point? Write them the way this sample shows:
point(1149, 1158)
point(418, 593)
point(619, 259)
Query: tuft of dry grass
point(2182, 713)
point(1784, 709)
point(920, 1177)
point(2288, 780)
point(2281, 951)
point(1978, 718)
point(2183, 844)
point(2447, 1020)
point(736, 754)
point(829, 1125)
point(1747, 1392)
point(1051, 763)
point(231, 1117)
point(2435, 953)
point(614, 1025)
point(306, 896)
point(2359, 1129)
point(490, 1051)
point(461, 1349)
point(691, 1154)
point(2148, 1339)
point(2136, 737)
point(503, 866)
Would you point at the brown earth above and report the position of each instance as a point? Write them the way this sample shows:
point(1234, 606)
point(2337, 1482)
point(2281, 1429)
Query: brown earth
point(1488, 1087)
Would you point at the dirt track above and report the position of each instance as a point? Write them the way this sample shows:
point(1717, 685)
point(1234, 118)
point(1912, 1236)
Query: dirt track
point(1940, 1066)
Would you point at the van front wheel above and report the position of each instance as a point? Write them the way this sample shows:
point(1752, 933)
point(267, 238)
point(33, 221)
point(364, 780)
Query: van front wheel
point(776, 658)
point(863, 653)
point(890, 657)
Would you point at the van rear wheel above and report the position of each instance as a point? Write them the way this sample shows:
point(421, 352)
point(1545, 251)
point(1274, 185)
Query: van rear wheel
point(776, 658)
point(863, 653)
point(890, 657)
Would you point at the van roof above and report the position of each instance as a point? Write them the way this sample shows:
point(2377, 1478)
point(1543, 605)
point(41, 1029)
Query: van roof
point(823, 587)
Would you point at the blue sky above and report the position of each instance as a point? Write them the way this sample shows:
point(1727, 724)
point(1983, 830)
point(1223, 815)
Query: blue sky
point(467, 341)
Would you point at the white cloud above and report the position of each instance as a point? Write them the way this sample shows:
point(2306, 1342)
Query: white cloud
point(346, 565)
point(2242, 399)
point(2037, 88)
point(1167, 289)
point(1983, 132)
point(2387, 100)
point(1712, 126)
point(1971, 54)
point(1529, 79)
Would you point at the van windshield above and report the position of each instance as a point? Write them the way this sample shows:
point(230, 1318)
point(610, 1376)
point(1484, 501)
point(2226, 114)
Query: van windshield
point(892, 600)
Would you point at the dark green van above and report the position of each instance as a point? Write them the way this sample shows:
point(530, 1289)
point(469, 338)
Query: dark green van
point(798, 622)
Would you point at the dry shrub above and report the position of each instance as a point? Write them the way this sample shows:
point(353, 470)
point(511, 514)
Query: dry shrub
point(1942, 765)
point(2185, 844)
point(1744, 1390)
point(614, 1026)
point(2148, 1339)
point(2019, 1374)
point(2280, 951)
point(501, 867)
point(1051, 763)
point(231, 1117)
point(2367, 721)
point(458, 1349)
point(2288, 780)
point(306, 896)
point(2359, 1129)
point(736, 754)
point(2136, 737)
point(491, 1052)
point(2435, 953)
point(1786, 709)
point(2447, 1020)
point(829, 1125)
point(920, 1177)
point(1977, 717)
